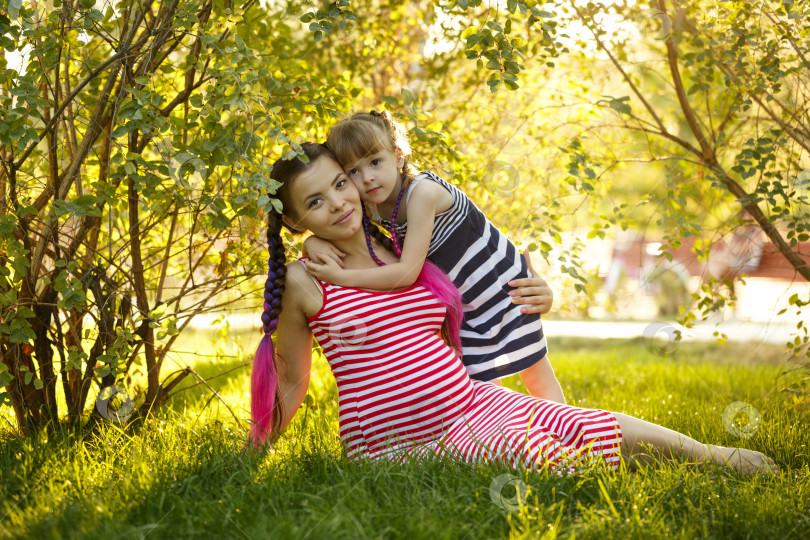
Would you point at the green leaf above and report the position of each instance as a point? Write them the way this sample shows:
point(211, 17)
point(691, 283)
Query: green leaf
point(14, 7)
point(407, 97)
point(620, 105)
point(121, 130)
point(102, 371)
point(20, 265)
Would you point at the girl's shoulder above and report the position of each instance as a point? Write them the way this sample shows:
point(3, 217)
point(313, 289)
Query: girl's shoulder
point(436, 180)
point(430, 189)
point(433, 177)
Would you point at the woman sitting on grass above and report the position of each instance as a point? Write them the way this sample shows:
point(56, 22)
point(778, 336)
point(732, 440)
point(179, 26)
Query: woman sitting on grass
point(403, 390)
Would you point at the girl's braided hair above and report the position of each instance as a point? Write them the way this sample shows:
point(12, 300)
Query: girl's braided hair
point(431, 277)
point(363, 134)
point(265, 401)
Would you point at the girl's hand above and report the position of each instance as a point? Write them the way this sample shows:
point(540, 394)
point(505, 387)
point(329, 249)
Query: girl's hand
point(321, 251)
point(532, 291)
point(329, 271)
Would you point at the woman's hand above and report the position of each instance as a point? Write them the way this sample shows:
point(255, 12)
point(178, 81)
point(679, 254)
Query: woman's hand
point(533, 291)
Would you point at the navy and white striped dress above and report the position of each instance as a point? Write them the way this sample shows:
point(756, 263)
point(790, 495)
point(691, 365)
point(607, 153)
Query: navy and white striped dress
point(496, 338)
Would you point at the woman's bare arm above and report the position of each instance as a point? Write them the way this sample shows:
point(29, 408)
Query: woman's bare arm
point(294, 339)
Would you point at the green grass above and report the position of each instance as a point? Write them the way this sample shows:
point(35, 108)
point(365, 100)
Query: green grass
point(183, 473)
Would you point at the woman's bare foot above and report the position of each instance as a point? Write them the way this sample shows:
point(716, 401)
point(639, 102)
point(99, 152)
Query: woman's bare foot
point(742, 460)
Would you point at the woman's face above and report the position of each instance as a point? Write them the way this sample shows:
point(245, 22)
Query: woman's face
point(324, 201)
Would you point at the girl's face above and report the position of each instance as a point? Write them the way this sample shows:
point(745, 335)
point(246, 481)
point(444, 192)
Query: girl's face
point(377, 176)
point(324, 201)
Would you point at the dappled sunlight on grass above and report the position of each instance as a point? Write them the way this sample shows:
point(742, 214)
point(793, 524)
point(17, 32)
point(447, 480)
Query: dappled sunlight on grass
point(184, 471)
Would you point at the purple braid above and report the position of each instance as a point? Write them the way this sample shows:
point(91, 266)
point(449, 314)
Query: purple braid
point(397, 249)
point(274, 286)
point(372, 230)
point(391, 244)
point(266, 405)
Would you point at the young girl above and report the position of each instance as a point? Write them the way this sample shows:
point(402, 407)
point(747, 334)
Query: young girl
point(429, 218)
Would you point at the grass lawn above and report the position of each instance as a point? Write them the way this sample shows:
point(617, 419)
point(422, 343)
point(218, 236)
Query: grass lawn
point(183, 474)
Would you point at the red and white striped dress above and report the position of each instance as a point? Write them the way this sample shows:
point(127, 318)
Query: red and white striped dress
point(404, 392)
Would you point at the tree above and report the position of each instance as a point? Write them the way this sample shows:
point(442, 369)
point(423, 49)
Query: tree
point(719, 94)
point(136, 142)
point(132, 179)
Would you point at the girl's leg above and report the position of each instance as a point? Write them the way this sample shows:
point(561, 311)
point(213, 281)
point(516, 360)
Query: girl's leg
point(640, 435)
point(541, 382)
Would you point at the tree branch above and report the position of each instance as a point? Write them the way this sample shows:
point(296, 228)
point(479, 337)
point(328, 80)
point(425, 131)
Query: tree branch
point(618, 66)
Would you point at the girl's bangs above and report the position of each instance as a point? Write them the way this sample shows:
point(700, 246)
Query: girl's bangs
point(350, 143)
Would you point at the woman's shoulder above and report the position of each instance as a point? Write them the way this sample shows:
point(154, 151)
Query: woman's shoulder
point(299, 278)
point(297, 272)
point(297, 281)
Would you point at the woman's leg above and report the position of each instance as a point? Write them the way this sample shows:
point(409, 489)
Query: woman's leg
point(640, 435)
point(541, 382)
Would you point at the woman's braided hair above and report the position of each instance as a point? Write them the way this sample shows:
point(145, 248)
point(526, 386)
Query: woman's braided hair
point(274, 287)
point(266, 405)
point(373, 231)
